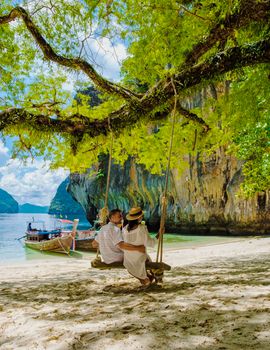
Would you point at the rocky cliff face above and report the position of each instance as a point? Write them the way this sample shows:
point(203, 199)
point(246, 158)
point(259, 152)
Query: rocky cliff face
point(206, 199)
point(8, 203)
point(63, 203)
point(202, 200)
point(130, 185)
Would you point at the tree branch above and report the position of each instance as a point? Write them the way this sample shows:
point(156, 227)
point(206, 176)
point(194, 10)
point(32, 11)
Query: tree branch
point(249, 11)
point(160, 94)
point(222, 62)
point(156, 102)
point(77, 124)
point(43, 123)
point(74, 63)
point(146, 109)
point(193, 117)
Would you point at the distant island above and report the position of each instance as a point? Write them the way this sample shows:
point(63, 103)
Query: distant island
point(7, 203)
point(32, 208)
point(61, 204)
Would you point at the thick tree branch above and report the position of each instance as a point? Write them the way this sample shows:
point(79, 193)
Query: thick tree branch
point(159, 95)
point(193, 117)
point(233, 58)
point(43, 123)
point(249, 11)
point(145, 109)
point(74, 63)
point(77, 124)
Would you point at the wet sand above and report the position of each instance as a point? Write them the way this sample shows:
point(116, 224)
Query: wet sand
point(215, 297)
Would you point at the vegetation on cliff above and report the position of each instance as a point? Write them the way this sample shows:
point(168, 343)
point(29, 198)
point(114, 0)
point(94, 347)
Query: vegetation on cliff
point(32, 208)
point(63, 203)
point(7, 203)
point(215, 51)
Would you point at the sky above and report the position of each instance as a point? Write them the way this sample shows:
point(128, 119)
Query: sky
point(34, 183)
point(31, 183)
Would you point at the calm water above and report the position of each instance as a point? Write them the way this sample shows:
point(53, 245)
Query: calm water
point(13, 226)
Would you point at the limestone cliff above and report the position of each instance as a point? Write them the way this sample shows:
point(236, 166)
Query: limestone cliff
point(130, 185)
point(63, 203)
point(202, 200)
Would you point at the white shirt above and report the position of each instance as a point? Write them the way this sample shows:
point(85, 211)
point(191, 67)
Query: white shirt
point(108, 238)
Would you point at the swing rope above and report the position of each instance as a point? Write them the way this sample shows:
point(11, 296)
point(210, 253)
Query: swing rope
point(103, 213)
point(109, 173)
point(165, 192)
point(156, 268)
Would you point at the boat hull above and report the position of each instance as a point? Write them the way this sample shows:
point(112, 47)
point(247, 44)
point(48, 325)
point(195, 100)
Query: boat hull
point(85, 244)
point(58, 244)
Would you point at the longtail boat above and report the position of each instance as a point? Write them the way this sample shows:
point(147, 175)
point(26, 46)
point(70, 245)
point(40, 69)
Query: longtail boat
point(52, 240)
point(84, 240)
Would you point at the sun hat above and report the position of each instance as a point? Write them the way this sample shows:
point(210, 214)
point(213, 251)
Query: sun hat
point(134, 213)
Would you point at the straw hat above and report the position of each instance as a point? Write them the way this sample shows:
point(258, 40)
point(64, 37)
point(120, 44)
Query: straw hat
point(134, 213)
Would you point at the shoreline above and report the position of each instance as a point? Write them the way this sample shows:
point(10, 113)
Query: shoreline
point(215, 297)
point(172, 251)
point(35, 255)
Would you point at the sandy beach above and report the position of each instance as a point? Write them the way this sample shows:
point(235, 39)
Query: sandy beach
point(215, 297)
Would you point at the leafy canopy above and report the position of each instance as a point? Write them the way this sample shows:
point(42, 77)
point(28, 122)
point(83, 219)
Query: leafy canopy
point(50, 53)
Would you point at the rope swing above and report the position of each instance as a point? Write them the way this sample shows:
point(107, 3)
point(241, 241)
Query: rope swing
point(153, 267)
point(103, 213)
point(156, 268)
point(165, 193)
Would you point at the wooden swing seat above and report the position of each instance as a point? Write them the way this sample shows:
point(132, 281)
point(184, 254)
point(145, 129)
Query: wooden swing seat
point(150, 265)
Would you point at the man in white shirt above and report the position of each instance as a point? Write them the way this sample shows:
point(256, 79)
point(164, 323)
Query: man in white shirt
point(110, 241)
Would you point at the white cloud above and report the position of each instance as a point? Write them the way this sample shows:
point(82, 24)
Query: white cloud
point(105, 57)
point(3, 148)
point(108, 57)
point(33, 183)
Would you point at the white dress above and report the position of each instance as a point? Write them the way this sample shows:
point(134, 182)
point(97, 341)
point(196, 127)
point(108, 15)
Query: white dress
point(134, 261)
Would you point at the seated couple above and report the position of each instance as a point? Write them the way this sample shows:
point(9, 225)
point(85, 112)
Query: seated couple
point(129, 245)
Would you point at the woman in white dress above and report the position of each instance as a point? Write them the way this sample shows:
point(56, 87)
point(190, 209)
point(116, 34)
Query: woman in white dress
point(136, 233)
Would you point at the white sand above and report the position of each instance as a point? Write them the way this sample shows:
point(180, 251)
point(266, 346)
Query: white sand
point(215, 297)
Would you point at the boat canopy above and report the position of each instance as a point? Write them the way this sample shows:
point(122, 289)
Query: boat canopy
point(65, 221)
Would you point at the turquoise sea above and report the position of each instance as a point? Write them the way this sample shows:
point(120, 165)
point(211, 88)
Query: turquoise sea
point(13, 226)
